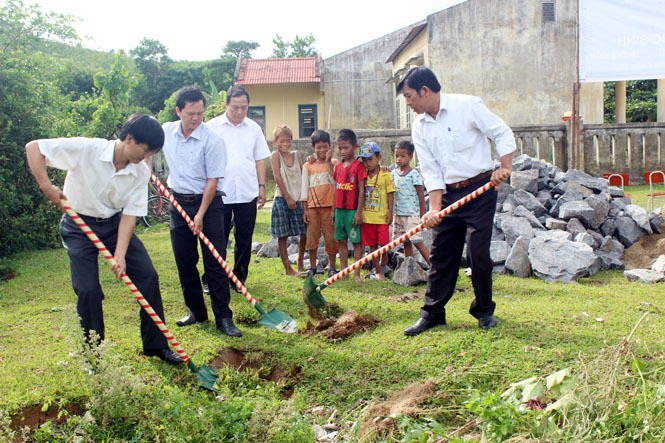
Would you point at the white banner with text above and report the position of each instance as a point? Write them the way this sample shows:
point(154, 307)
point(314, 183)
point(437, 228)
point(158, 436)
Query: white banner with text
point(621, 40)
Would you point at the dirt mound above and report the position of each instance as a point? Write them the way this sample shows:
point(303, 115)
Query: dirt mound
point(253, 362)
point(33, 416)
point(346, 325)
point(380, 415)
point(642, 254)
point(415, 295)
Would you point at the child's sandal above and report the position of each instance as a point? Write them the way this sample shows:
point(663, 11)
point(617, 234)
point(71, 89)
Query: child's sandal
point(331, 272)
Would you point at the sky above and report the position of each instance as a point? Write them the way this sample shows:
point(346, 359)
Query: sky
point(198, 29)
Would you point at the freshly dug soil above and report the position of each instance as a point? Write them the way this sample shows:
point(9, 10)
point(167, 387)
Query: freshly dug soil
point(348, 324)
point(406, 402)
point(642, 254)
point(253, 361)
point(33, 416)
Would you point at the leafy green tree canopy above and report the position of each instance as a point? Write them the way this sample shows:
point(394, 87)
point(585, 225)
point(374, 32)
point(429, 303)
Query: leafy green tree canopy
point(150, 50)
point(24, 28)
point(30, 101)
point(240, 48)
point(299, 47)
point(641, 101)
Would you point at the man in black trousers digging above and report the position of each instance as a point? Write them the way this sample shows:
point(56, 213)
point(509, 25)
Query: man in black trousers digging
point(450, 136)
point(197, 162)
point(107, 186)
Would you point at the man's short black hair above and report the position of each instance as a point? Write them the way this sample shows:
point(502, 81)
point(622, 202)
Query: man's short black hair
point(416, 78)
point(320, 136)
point(236, 91)
point(347, 135)
point(405, 144)
point(189, 94)
point(145, 129)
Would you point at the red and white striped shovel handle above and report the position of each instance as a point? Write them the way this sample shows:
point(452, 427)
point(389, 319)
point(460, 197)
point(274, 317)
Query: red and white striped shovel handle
point(139, 297)
point(205, 240)
point(406, 236)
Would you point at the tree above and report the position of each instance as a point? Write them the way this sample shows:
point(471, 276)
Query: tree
point(150, 51)
point(281, 49)
point(156, 80)
point(299, 47)
point(240, 48)
point(641, 101)
point(30, 102)
point(303, 47)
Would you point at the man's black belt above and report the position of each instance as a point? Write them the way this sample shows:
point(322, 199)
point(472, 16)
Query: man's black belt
point(469, 181)
point(89, 218)
point(192, 198)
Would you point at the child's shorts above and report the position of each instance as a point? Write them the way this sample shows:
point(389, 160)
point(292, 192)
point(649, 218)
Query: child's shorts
point(403, 224)
point(320, 220)
point(373, 235)
point(285, 222)
point(344, 227)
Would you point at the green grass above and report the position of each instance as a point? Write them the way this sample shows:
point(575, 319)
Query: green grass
point(542, 328)
point(639, 194)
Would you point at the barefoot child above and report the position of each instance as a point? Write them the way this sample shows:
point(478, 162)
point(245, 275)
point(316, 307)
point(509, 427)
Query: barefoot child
point(378, 207)
point(317, 196)
point(287, 215)
point(409, 200)
point(349, 199)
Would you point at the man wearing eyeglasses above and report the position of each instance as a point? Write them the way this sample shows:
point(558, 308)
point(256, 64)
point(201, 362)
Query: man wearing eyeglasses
point(245, 176)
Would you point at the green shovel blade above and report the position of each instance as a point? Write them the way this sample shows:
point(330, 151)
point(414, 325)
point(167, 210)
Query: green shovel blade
point(278, 320)
point(205, 375)
point(311, 293)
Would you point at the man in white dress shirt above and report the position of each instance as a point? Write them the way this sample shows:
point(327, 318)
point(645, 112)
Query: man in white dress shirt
point(245, 180)
point(107, 185)
point(450, 136)
point(197, 159)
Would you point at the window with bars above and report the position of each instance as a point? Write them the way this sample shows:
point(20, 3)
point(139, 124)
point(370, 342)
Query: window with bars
point(307, 120)
point(258, 114)
point(548, 12)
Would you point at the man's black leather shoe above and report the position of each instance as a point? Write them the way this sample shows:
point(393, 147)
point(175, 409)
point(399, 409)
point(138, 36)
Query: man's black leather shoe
point(166, 354)
point(227, 327)
point(421, 326)
point(486, 323)
point(235, 288)
point(189, 320)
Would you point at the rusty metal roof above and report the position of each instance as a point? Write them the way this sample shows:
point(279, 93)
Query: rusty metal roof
point(415, 31)
point(278, 70)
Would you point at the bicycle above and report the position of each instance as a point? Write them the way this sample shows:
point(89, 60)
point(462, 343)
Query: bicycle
point(158, 208)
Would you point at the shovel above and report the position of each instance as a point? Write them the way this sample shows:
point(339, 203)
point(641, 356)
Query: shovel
point(312, 292)
point(205, 375)
point(274, 319)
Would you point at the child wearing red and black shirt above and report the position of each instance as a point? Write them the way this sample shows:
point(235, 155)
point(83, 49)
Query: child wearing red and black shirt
point(350, 176)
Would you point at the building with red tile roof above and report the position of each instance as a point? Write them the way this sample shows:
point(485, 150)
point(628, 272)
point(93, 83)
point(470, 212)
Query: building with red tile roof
point(283, 90)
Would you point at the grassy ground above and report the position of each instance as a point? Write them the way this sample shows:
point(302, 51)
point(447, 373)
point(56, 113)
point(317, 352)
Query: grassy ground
point(542, 328)
point(639, 194)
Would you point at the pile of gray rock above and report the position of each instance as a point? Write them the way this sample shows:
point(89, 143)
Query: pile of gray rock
point(562, 226)
point(559, 226)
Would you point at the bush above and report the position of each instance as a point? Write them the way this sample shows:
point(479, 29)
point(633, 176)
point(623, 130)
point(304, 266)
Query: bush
point(29, 220)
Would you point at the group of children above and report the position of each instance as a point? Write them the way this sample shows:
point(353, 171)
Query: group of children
point(353, 199)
